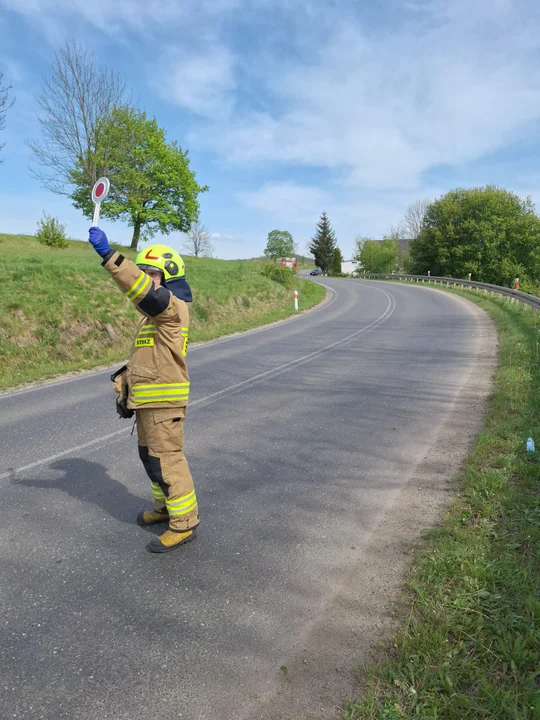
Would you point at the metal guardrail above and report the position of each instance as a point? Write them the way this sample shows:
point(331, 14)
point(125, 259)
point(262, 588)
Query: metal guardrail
point(513, 296)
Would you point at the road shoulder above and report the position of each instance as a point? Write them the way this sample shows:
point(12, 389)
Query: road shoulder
point(321, 672)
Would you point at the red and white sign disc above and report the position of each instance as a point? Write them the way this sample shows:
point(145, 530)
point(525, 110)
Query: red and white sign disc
point(100, 190)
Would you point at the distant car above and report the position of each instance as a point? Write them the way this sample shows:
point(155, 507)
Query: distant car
point(316, 271)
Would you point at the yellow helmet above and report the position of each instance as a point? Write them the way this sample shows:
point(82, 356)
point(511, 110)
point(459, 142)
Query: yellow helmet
point(164, 258)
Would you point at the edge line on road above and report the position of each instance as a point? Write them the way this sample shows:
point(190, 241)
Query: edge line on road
point(199, 346)
point(231, 390)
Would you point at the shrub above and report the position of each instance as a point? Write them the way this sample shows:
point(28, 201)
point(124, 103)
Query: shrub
point(278, 273)
point(51, 232)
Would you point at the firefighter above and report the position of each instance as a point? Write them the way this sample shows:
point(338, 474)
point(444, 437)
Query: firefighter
point(155, 382)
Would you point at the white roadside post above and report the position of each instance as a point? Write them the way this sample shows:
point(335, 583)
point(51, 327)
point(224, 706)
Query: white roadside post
point(296, 299)
point(99, 193)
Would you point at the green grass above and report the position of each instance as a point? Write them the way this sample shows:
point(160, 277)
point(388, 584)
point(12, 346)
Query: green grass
point(469, 645)
point(61, 311)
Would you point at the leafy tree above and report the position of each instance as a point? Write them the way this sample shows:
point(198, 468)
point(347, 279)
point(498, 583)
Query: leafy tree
point(402, 262)
point(337, 259)
point(152, 186)
point(280, 244)
point(489, 232)
point(323, 243)
point(361, 240)
point(378, 257)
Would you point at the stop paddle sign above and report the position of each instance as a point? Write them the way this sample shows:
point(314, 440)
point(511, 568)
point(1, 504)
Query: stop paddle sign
point(99, 193)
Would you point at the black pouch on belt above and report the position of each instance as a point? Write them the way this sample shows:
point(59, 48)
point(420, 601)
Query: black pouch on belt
point(119, 381)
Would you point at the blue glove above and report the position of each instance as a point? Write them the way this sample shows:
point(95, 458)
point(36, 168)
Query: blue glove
point(99, 241)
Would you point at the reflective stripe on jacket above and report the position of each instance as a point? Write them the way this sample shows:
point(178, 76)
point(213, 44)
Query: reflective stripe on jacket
point(157, 374)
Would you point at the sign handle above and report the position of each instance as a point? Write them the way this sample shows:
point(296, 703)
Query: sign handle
point(95, 220)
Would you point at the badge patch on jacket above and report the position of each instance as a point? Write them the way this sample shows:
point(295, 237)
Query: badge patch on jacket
point(145, 336)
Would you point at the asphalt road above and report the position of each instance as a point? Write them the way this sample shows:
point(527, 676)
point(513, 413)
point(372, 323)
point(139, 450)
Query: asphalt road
point(300, 438)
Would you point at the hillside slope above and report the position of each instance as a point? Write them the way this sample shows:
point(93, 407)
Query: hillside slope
point(61, 311)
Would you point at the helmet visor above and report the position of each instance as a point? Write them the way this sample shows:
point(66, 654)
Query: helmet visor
point(150, 268)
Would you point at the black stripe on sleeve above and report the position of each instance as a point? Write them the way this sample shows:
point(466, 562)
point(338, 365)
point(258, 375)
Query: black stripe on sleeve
point(119, 260)
point(156, 302)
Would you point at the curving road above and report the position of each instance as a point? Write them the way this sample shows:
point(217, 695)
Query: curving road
point(308, 442)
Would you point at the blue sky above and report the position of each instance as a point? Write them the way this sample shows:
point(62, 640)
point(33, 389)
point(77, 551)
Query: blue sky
point(289, 108)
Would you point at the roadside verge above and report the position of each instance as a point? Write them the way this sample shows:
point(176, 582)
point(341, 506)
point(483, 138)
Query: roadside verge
point(468, 644)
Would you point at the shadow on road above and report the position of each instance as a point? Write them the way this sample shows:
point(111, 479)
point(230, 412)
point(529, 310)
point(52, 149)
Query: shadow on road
point(90, 482)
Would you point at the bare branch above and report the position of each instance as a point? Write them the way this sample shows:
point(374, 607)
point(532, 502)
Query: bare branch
point(5, 104)
point(74, 100)
point(412, 223)
point(197, 241)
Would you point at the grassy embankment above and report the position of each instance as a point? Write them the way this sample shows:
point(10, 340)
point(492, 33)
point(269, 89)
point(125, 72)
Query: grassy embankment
point(469, 645)
point(61, 312)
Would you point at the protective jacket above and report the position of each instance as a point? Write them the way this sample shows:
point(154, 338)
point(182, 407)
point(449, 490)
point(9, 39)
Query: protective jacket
point(156, 374)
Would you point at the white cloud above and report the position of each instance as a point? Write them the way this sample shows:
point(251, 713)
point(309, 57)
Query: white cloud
point(443, 88)
point(106, 15)
point(198, 81)
point(219, 237)
point(298, 207)
point(445, 82)
point(63, 20)
point(287, 201)
point(372, 105)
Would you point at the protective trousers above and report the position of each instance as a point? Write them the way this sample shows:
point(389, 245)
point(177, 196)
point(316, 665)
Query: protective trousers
point(161, 448)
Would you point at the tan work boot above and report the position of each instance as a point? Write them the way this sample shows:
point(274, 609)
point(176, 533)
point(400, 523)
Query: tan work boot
point(170, 540)
point(151, 517)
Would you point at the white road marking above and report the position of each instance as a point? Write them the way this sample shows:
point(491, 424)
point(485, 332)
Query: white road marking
point(213, 397)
